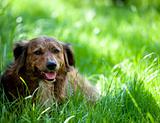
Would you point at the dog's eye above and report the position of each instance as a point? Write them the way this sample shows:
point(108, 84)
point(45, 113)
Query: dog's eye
point(55, 50)
point(38, 52)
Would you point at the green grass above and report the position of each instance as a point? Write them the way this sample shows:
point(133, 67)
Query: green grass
point(117, 48)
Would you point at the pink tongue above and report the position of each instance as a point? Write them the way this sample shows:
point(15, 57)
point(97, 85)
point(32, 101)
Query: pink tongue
point(50, 76)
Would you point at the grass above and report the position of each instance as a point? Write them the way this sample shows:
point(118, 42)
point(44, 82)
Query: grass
point(117, 48)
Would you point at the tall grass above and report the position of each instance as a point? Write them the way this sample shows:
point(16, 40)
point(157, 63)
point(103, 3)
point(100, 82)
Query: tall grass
point(117, 48)
point(11, 29)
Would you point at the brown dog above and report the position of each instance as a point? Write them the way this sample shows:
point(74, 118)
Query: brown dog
point(44, 67)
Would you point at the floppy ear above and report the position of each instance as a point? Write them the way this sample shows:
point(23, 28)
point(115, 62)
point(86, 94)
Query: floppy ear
point(19, 49)
point(19, 52)
point(68, 56)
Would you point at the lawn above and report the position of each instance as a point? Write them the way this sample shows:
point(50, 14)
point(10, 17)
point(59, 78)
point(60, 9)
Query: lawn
point(116, 47)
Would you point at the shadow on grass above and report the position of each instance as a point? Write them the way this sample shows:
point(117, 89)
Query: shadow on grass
point(132, 103)
point(138, 100)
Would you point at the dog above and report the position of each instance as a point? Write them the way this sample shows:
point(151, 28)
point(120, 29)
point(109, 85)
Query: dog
point(44, 68)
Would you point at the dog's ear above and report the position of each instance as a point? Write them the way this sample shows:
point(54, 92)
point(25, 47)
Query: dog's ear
point(68, 56)
point(19, 49)
point(19, 52)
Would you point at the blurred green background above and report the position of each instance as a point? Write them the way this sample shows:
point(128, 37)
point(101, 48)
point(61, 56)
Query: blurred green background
point(103, 31)
point(99, 29)
point(116, 44)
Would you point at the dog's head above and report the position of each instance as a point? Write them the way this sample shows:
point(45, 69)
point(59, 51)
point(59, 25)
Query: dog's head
point(44, 57)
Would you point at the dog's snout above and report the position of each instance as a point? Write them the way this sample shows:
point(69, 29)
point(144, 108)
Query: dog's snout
point(51, 65)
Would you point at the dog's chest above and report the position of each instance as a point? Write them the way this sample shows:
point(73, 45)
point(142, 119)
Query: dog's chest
point(46, 93)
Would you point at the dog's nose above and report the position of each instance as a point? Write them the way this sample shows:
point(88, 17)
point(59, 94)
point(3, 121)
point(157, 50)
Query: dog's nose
point(51, 65)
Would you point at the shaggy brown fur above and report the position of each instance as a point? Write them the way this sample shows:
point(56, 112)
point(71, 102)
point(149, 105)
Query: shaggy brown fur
point(45, 67)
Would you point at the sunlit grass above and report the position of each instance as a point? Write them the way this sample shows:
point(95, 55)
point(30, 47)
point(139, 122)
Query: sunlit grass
point(116, 48)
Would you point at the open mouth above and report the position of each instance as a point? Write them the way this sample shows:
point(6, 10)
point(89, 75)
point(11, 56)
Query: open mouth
point(46, 75)
point(50, 76)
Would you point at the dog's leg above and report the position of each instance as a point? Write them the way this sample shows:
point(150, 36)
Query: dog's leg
point(80, 82)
